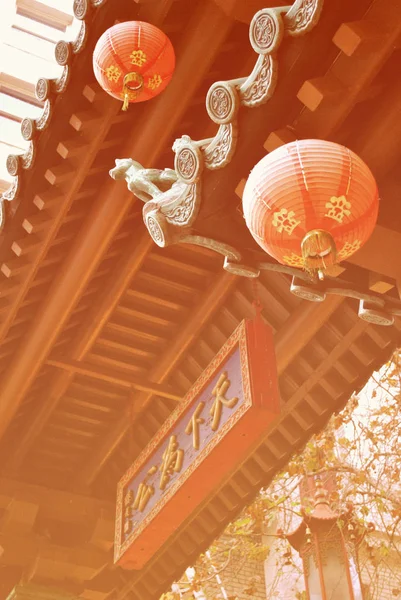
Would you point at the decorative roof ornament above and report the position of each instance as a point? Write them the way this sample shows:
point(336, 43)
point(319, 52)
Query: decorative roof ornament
point(170, 216)
point(46, 91)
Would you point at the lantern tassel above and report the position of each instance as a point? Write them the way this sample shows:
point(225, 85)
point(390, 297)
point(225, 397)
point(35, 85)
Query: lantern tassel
point(126, 101)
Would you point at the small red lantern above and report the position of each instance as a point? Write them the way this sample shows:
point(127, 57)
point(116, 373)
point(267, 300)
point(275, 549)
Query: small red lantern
point(133, 61)
point(310, 204)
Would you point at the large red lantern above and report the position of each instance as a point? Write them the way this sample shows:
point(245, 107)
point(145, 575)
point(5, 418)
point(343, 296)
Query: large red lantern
point(310, 204)
point(133, 61)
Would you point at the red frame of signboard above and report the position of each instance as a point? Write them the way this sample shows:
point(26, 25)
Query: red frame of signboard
point(220, 455)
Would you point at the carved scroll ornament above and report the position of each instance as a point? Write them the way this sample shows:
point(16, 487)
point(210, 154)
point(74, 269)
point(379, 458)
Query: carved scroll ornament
point(169, 215)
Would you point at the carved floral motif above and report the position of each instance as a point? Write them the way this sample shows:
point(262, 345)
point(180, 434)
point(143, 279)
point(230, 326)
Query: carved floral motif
point(44, 118)
point(27, 128)
point(186, 163)
point(42, 89)
point(219, 152)
point(12, 164)
point(302, 16)
point(264, 30)
point(62, 52)
point(28, 157)
point(60, 84)
point(155, 231)
point(13, 190)
point(259, 86)
point(181, 213)
point(220, 103)
point(79, 43)
point(81, 8)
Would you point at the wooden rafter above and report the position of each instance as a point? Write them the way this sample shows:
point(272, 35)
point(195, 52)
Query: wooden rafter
point(301, 327)
point(131, 262)
point(386, 261)
point(106, 216)
point(56, 504)
point(96, 133)
point(330, 98)
point(42, 558)
point(110, 376)
point(279, 445)
point(208, 305)
point(297, 332)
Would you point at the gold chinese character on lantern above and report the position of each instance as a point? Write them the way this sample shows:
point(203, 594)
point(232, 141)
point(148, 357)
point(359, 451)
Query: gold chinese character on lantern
point(171, 461)
point(219, 392)
point(194, 425)
point(154, 82)
point(138, 57)
point(113, 73)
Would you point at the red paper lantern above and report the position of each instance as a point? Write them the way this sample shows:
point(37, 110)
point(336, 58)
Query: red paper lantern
point(133, 61)
point(311, 203)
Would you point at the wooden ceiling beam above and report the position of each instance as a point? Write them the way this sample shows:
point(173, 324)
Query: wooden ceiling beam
point(42, 13)
point(381, 253)
point(42, 559)
point(331, 98)
point(305, 321)
point(44, 224)
point(295, 334)
point(209, 303)
point(117, 378)
point(154, 12)
point(131, 262)
point(56, 504)
point(113, 203)
point(280, 451)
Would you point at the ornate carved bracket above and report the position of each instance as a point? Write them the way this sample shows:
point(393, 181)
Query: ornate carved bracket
point(379, 309)
point(170, 216)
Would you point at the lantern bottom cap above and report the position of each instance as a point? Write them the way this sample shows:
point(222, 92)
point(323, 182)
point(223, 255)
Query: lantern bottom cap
point(132, 85)
point(318, 252)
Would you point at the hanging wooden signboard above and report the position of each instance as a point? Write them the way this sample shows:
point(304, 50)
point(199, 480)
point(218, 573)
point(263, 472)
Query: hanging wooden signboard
point(210, 433)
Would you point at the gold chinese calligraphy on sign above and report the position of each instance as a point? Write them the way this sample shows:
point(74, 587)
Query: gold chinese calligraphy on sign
point(173, 456)
point(219, 392)
point(172, 461)
point(194, 425)
point(139, 500)
point(215, 426)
